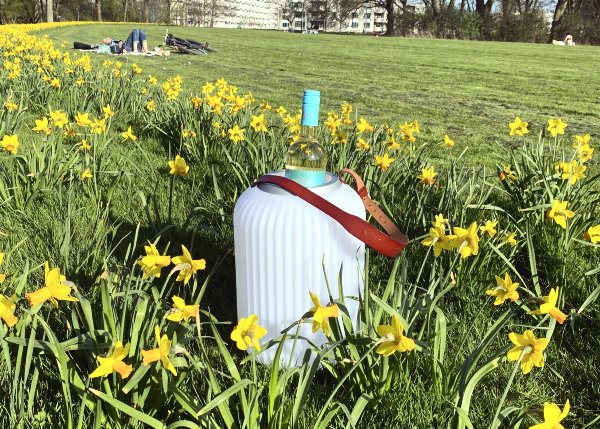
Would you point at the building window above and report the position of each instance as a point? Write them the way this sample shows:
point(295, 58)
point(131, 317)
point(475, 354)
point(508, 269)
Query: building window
point(285, 24)
point(298, 24)
point(368, 15)
point(355, 25)
point(354, 14)
point(367, 25)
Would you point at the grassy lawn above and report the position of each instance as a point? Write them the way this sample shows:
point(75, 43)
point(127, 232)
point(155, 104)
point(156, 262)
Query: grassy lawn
point(468, 90)
point(95, 230)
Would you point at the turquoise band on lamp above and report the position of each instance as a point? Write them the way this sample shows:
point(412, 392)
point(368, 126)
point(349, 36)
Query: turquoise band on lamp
point(310, 108)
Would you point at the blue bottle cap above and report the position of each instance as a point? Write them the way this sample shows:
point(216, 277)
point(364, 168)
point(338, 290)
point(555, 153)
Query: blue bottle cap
point(310, 108)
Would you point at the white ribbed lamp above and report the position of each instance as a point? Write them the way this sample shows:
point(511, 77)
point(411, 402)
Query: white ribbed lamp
point(281, 245)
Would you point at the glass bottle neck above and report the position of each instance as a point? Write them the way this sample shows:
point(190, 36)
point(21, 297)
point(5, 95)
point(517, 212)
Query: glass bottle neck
point(308, 131)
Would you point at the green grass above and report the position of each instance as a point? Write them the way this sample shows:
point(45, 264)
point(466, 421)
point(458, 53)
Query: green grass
point(468, 90)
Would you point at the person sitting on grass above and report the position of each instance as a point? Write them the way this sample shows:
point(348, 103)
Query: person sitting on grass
point(136, 42)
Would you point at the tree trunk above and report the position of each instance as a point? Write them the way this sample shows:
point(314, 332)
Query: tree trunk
point(389, 7)
point(484, 8)
point(49, 11)
point(561, 7)
point(125, 6)
point(145, 11)
point(99, 10)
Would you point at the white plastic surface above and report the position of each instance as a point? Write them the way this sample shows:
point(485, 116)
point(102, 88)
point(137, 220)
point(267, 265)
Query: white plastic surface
point(281, 244)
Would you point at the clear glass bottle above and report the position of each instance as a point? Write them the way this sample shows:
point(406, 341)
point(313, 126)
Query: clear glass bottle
point(306, 160)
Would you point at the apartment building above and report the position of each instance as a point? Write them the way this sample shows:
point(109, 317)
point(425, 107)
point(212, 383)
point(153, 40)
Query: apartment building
point(294, 15)
point(257, 14)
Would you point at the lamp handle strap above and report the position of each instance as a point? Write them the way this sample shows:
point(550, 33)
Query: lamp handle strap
point(390, 244)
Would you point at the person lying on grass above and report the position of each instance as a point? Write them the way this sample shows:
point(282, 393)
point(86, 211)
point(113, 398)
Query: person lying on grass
point(135, 43)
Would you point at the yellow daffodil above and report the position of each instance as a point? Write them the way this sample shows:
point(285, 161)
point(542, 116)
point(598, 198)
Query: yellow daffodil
point(151, 106)
point(86, 174)
point(361, 144)
point(182, 311)
point(489, 227)
point(440, 221)
point(265, 106)
point(187, 265)
point(392, 338)
point(333, 121)
point(518, 127)
point(113, 363)
point(10, 143)
point(55, 82)
point(427, 176)
point(527, 348)
point(510, 238)
point(346, 110)
point(153, 262)
point(553, 416)
point(80, 81)
point(59, 119)
point(247, 333)
point(584, 152)
point(236, 134)
point(391, 142)
point(7, 310)
point(82, 119)
point(249, 98)
point(466, 240)
point(208, 88)
point(593, 234)
point(128, 135)
point(83, 144)
point(507, 173)
point(10, 106)
point(362, 125)
point(160, 353)
point(572, 171)
point(559, 213)
point(98, 126)
point(259, 123)
point(548, 306)
point(581, 141)
point(340, 137)
point(556, 126)
point(136, 69)
point(152, 80)
point(415, 127)
point(383, 162)
point(108, 113)
point(505, 289)
point(178, 166)
point(438, 239)
point(41, 125)
point(54, 289)
point(448, 141)
point(69, 131)
point(321, 314)
point(196, 101)
point(281, 111)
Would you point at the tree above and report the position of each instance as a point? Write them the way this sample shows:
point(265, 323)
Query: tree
point(99, 10)
point(49, 11)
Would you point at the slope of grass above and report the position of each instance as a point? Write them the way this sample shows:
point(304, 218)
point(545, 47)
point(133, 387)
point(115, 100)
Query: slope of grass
point(468, 90)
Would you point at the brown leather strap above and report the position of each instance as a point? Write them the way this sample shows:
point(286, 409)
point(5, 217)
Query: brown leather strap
point(389, 245)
